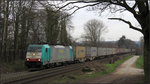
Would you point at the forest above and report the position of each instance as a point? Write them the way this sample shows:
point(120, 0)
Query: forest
point(28, 22)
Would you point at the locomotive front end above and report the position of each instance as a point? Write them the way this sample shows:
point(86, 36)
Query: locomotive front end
point(33, 57)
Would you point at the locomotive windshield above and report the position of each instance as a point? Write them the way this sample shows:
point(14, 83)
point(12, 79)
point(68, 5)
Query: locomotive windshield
point(34, 49)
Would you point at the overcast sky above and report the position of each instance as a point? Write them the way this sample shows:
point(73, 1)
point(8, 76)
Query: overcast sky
point(115, 29)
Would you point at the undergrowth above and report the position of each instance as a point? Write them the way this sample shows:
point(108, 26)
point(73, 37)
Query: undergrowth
point(139, 62)
point(85, 76)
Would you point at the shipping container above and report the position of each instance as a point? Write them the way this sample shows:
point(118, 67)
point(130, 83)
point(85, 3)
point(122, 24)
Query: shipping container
point(109, 51)
point(61, 54)
point(102, 51)
point(125, 50)
point(128, 50)
point(118, 50)
point(79, 52)
point(114, 50)
point(122, 50)
point(93, 51)
point(87, 52)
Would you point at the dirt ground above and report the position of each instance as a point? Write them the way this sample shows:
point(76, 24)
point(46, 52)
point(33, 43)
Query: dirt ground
point(126, 73)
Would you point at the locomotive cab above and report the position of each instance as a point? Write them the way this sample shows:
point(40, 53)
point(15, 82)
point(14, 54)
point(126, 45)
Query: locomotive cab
point(37, 56)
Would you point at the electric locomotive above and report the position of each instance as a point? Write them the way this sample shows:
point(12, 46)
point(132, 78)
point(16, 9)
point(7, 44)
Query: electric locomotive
point(41, 56)
point(37, 56)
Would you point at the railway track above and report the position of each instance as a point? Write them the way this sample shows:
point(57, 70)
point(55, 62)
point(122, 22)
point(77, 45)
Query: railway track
point(26, 77)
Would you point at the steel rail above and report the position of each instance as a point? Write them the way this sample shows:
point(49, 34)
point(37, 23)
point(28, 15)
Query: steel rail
point(43, 74)
point(13, 76)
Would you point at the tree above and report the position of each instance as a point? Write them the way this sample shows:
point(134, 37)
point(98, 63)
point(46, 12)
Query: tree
point(51, 28)
point(17, 20)
point(141, 12)
point(93, 31)
point(126, 43)
point(121, 42)
point(65, 27)
point(22, 21)
point(57, 26)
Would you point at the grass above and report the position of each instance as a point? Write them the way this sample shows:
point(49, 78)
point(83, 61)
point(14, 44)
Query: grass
point(139, 62)
point(112, 67)
point(83, 77)
point(18, 65)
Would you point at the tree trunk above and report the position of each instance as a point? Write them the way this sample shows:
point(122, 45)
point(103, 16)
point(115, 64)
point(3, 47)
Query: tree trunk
point(5, 28)
point(1, 28)
point(146, 59)
point(16, 36)
point(146, 51)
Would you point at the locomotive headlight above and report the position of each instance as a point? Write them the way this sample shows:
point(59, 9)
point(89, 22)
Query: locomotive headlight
point(27, 59)
point(33, 54)
point(39, 59)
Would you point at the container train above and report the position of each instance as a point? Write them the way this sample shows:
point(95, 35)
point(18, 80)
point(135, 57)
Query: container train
point(52, 55)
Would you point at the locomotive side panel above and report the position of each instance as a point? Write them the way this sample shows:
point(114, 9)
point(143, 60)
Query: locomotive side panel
point(61, 54)
point(45, 55)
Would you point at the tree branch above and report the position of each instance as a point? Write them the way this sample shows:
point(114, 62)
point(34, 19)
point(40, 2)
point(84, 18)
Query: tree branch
point(82, 7)
point(77, 2)
point(134, 5)
point(129, 23)
point(125, 5)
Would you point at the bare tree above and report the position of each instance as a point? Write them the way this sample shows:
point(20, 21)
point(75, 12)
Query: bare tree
point(17, 20)
point(22, 22)
point(93, 31)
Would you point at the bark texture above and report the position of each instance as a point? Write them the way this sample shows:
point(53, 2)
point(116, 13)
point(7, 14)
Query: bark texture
point(146, 33)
